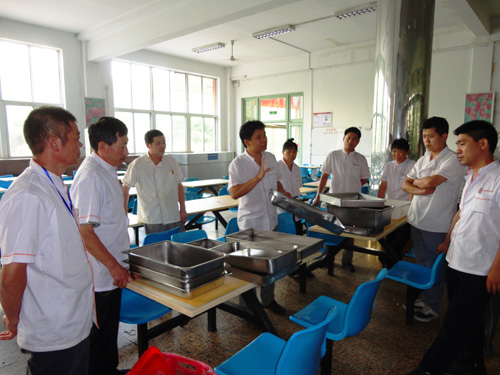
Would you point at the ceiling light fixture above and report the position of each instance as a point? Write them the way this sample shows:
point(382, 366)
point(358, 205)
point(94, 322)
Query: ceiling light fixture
point(209, 47)
point(357, 11)
point(274, 31)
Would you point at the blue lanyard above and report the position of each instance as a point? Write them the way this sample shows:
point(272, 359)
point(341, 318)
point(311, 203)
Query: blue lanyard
point(68, 206)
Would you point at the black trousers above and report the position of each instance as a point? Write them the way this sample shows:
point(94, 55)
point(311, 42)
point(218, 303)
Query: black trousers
point(71, 361)
point(103, 340)
point(463, 325)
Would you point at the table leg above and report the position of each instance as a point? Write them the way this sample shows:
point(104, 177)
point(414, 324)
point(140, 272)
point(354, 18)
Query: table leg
point(390, 258)
point(260, 315)
point(212, 320)
point(302, 278)
point(220, 218)
point(192, 223)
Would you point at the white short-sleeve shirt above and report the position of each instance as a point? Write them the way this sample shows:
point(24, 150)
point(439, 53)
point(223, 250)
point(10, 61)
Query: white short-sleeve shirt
point(157, 189)
point(346, 170)
point(476, 236)
point(395, 174)
point(291, 180)
point(255, 209)
point(39, 230)
point(98, 195)
point(434, 212)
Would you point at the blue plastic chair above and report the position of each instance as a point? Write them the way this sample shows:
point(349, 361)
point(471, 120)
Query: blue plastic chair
point(232, 226)
point(204, 219)
point(196, 190)
point(270, 355)
point(160, 236)
point(5, 184)
point(1, 194)
point(286, 224)
point(350, 319)
point(139, 310)
point(7, 175)
point(132, 205)
point(417, 278)
point(189, 236)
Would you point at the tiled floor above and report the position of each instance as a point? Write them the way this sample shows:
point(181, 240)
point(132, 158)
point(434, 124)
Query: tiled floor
point(386, 346)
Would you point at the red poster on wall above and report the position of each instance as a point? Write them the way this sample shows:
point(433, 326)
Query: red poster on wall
point(479, 107)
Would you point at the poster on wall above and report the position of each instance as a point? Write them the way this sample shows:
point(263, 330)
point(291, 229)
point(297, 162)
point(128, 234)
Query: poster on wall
point(94, 110)
point(479, 107)
point(322, 120)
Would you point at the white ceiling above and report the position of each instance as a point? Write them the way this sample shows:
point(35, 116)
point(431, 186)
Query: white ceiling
point(115, 27)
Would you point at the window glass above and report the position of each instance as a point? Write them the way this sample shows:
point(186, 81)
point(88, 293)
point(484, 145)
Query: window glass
point(45, 70)
point(209, 133)
point(178, 99)
point(251, 109)
point(161, 89)
point(276, 136)
point(179, 133)
point(128, 119)
point(142, 124)
point(141, 87)
point(122, 89)
point(296, 108)
point(164, 124)
point(15, 72)
point(194, 88)
point(209, 96)
point(196, 134)
point(273, 109)
point(15, 120)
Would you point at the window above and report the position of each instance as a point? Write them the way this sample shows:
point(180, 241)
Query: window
point(283, 116)
point(30, 77)
point(181, 105)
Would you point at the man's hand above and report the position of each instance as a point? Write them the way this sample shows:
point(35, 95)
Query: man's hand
point(493, 281)
point(120, 276)
point(184, 216)
point(263, 168)
point(443, 248)
point(316, 200)
point(11, 331)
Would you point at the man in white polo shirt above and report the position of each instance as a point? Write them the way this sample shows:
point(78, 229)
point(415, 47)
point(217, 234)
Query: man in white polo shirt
point(99, 197)
point(46, 278)
point(349, 170)
point(158, 177)
point(434, 182)
point(252, 176)
point(472, 247)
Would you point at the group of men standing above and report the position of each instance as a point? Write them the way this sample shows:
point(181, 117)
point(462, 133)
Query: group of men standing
point(62, 255)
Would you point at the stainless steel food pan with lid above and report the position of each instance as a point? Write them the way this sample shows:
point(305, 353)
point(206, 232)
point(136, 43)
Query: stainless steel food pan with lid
point(374, 218)
point(176, 259)
point(257, 257)
point(351, 200)
point(310, 213)
point(206, 243)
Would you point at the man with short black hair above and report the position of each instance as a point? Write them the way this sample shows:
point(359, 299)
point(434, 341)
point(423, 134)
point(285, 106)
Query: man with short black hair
point(161, 201)
point(45, 278)
point(434, 182)
point(472, 247)
point(104, 225)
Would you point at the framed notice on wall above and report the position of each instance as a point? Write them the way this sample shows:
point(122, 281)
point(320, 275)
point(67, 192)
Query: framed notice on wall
point(322, 120)
point(94, 109)
point(479, 107)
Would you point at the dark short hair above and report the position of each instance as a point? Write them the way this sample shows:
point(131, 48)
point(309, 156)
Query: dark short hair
point(478, 130)
point(353, 130)
point(107, 130)
point(151, 135)
point(400, 144)
point(290, 144)
point(44, 122)
point(248, 128)
point(438, 123)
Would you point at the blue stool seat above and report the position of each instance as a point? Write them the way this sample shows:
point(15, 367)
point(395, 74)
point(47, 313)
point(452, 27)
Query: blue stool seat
point(189, 236)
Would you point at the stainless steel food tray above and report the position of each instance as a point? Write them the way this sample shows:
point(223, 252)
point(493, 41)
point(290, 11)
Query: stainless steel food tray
point(139, 272)
point(206, 243)
point(261, 258)
point(305, 245)
point(176, 259)
point(351, 200)
point(310, 213)
point(262, 280)
point(373, 218)
point(186, 294)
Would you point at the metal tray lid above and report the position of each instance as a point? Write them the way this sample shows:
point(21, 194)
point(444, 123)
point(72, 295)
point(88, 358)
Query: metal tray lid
point(352, 199)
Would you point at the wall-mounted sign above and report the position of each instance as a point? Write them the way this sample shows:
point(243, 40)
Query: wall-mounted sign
point(94, 109)
point(479, 107)
point(322, 120)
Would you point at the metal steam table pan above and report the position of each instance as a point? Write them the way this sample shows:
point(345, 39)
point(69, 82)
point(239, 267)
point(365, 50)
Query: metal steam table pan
point(374, 218)
point(305, 245)
point(262, 280)
point(139, 272)
point(176, 259)
point(257, 257)
point(351, 200)
point(206, 243)
point(310, 213)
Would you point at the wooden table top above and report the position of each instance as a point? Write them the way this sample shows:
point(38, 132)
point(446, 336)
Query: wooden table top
point(231, 288)
point(312, 184)
point(218, 203)
point(205, 183)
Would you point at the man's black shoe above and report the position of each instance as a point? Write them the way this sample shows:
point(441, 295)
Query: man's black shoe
point(348, 266)
point(275, 308)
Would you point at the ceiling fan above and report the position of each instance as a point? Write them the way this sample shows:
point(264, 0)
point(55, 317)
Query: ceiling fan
point(232, 54)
